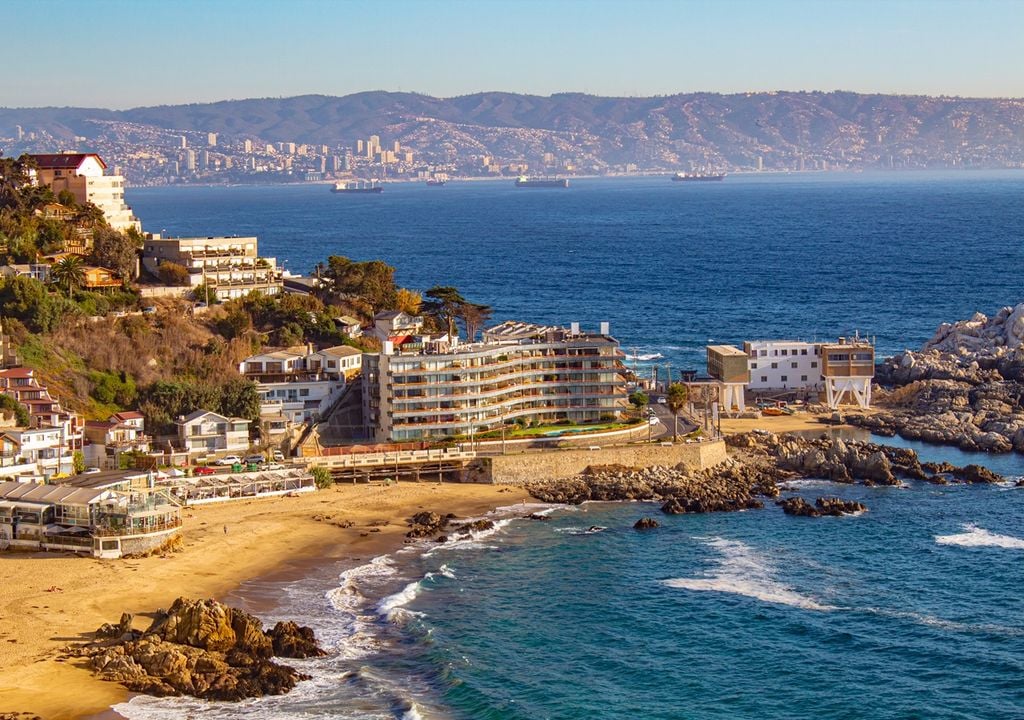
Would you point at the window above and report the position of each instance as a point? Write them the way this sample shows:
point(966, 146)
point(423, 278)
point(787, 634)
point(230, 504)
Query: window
point(764, 378)
point(793, 365)
point(784, 378)
point(764, 353)
point(785, 352)
point(753, 366)
point(774, 366)
point(814, 363)
point(803, 378)
point(803, 351)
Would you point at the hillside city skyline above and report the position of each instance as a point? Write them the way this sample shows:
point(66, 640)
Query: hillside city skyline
point(402, 136)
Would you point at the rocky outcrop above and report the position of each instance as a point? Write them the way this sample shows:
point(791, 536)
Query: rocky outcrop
point(729, 486)
point(425, 524)
point(200, 648)
point(822, 507)
point(964, 388)
point(646, 524)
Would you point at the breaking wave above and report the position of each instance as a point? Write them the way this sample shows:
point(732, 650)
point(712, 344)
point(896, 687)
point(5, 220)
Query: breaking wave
point(974, 536)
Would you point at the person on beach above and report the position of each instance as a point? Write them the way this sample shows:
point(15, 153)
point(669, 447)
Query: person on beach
point(225, 529)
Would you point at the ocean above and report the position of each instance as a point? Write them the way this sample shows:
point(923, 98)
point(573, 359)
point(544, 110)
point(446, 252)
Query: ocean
point(910, 610)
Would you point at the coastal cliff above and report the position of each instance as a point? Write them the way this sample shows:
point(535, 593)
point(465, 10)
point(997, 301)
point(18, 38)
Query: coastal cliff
point(965, 387)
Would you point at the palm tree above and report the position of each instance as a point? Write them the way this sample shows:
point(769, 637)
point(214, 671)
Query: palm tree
point(68, 272)
point(676, 401)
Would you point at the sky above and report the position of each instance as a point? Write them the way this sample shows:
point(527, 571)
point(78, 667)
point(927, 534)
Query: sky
point(129, 53)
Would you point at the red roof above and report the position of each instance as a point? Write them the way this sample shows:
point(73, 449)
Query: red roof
point(19, 372)
point(128, 415)
point(65, 161)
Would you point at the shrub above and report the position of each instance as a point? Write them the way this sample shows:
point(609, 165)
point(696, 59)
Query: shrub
point(173, 274)
point(322, 477)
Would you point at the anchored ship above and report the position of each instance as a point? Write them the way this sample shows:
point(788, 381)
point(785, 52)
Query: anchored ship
point(697, 176)
point(528, 182)
point(357, 186)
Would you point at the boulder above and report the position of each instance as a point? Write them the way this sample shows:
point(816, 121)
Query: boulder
point(294, 641)
point(645, 524)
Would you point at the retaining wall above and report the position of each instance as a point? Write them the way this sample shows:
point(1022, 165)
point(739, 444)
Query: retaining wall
point(557, 464)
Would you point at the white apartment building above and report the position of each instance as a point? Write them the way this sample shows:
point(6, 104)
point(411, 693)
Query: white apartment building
point(434, 389)
point(204, 432)
point(784, 365)
point(230, 266)
point(82, 175)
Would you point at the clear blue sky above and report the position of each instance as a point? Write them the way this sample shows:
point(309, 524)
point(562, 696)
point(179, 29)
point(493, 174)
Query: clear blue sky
point(125, 53)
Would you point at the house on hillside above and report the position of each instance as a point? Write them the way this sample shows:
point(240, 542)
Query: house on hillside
point(82, 174)
point(99, 278)
point(208, 432)
point(106, 440)
point(348, 326)
point(394, 324)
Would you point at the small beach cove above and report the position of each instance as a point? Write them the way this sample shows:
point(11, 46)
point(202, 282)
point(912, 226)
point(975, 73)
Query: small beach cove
point(49, 601)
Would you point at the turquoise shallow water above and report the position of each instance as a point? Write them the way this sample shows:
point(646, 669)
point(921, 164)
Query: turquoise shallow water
point(911, 610)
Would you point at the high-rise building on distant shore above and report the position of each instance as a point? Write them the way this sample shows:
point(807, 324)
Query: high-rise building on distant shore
point(190, 160)
point(211, 139)
point(247, 147)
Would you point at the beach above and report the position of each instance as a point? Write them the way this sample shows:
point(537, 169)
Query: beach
point(50, 600)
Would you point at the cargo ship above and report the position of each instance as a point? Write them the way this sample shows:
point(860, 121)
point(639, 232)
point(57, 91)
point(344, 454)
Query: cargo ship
point(357, 186)
point(697, 176)
point(529, 182)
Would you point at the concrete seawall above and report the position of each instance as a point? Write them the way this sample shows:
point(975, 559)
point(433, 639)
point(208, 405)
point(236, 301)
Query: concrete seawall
point(557, 464)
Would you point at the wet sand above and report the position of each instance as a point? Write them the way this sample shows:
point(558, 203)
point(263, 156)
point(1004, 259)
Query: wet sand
point(50, 600)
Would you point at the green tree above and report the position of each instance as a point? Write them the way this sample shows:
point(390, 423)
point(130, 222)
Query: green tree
point(371, 283)
point(116, 251)
point(321, 476)
point(21, 415)
point(69, 273)
point(67, 199)
point(676, 401)
point(639, 400)
point(444, 303)
point(78, 462)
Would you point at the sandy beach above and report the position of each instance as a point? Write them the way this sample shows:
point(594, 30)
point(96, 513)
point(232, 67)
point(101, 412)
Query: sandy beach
point(50, 600)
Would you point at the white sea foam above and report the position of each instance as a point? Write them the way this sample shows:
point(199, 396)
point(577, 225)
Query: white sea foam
point(740, 570)
point(646, 357)
point(974, 536)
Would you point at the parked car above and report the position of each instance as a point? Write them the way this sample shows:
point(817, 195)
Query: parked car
point(91, 471)
point(273, 466)
point(254, 459)
point(277, 455)
point(204, 470)
point(149, 310)
point(229, 460)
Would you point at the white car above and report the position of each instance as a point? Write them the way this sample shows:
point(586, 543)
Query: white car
point(273, 466)
point(229, 460)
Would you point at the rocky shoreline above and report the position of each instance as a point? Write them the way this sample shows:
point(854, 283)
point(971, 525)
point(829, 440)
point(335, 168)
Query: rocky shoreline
point(199, 648)
point(964, 388)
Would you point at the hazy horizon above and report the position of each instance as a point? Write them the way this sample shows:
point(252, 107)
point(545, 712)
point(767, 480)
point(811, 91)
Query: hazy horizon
point(124, 54)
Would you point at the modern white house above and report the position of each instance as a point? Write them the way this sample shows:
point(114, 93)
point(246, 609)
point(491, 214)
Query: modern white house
point(208, 432)
point(82, 174)
point(106, 440)
point(299, 384)
point(784, 365)
point(41, 448)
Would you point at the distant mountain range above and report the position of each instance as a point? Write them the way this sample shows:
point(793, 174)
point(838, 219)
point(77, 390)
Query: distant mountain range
point(780, 130)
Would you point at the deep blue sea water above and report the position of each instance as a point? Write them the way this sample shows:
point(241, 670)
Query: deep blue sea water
point(670, 265)
point(914, 609)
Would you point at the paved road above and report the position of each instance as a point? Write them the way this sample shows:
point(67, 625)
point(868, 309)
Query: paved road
point(664, 428)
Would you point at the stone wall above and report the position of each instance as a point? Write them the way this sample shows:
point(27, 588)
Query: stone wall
point(556, 464)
